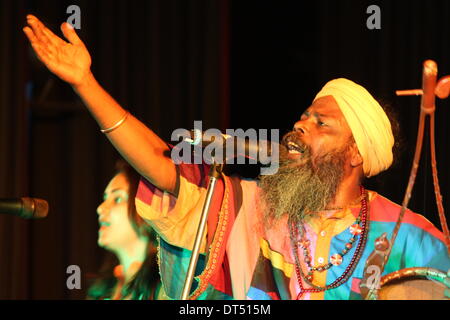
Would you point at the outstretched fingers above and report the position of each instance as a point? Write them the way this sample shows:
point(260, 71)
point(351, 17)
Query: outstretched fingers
point(42, 51)
point(38, 27)
point(30, 35)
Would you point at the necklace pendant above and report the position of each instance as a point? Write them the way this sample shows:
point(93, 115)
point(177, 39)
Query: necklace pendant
point(304, 243)
point(355, 229)
point(336, 259)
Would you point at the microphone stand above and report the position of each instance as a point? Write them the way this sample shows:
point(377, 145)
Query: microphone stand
point(427, 108)
point(215, 172)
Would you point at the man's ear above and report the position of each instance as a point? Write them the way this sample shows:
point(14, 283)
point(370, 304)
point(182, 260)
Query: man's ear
point(355, 157)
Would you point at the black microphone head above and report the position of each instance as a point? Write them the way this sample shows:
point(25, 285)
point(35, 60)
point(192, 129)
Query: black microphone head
point(34, 208)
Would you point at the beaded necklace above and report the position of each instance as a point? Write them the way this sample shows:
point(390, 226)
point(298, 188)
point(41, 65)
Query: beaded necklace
point(359, 228)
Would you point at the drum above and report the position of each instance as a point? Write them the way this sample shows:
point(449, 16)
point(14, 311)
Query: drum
point(413, 284)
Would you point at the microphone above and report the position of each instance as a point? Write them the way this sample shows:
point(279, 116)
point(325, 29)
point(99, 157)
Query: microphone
point(255, 149)
point(27, 208)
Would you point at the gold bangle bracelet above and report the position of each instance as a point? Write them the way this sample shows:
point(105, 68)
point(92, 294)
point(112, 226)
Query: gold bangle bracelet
point(118, 124)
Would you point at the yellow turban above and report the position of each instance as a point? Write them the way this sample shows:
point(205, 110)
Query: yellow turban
point(368, 122)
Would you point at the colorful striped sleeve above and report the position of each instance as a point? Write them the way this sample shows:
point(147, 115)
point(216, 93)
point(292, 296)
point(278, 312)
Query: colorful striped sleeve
point(175, 219)
point(419, 243)
point(428, 248)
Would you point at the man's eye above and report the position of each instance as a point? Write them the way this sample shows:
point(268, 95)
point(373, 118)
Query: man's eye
point(321, 123)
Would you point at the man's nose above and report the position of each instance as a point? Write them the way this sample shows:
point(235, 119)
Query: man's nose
point(300, 127)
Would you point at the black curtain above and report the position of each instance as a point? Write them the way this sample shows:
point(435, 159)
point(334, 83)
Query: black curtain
point(14, 141)
point(162, 60)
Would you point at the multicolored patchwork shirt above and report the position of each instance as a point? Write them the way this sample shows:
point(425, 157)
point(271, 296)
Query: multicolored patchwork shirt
point(244, 257)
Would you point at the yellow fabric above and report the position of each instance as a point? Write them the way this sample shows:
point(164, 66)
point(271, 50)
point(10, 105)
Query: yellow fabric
point(176, 219)
point(368, 122)
point(276, 258)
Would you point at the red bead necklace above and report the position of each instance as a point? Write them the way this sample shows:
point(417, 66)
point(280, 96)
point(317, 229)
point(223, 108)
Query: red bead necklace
point(359, 228)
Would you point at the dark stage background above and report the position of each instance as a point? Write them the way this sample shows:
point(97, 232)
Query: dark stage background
point(232, 64)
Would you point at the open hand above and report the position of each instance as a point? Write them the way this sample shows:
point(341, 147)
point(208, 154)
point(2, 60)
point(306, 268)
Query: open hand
point(70, 61)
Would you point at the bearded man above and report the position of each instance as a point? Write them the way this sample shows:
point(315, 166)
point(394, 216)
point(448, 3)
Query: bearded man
point(302, 233)
point(306, 231)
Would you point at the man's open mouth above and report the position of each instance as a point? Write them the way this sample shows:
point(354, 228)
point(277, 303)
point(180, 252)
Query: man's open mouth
point(294, 145)
point(294, 148)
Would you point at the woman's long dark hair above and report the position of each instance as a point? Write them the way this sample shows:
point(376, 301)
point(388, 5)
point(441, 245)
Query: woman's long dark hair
point(144, 283)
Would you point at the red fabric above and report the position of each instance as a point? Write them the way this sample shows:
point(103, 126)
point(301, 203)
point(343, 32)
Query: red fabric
point(355, 285)
point(221, 279)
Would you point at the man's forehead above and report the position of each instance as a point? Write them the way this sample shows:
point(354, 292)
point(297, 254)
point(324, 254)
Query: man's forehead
point(326, 105)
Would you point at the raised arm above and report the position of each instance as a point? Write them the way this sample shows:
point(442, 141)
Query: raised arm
point(71, 62)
